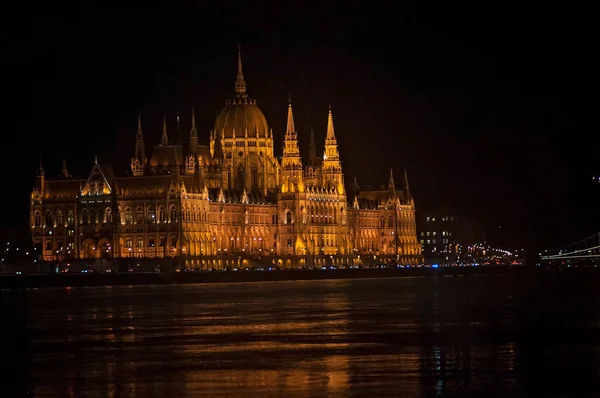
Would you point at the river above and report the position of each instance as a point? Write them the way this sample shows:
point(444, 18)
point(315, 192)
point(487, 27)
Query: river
point(439, 336)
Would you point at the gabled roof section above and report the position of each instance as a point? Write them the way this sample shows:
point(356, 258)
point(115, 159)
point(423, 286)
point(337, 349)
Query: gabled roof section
point(100, 181)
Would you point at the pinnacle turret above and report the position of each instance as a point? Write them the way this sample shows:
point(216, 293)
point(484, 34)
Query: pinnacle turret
point(330, 131)
point(164, 139)
point(291, 128)
point(312, 150)
point(193, 136)
point(64, 172)
point(391, 184)
point(406, 187)
point(41, 168)
point(140, 152)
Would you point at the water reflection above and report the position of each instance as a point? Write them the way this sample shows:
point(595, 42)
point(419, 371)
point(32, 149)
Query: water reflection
point(439, 337)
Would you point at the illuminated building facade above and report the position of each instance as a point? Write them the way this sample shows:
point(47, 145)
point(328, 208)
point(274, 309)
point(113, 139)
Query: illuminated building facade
point(446, 235)
point(224, 203)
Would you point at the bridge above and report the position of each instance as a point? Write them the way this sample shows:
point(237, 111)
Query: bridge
point(583, 252)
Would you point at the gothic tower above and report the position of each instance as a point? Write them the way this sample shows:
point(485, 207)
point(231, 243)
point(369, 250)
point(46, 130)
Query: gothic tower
point(138, 162)
point(332, 166)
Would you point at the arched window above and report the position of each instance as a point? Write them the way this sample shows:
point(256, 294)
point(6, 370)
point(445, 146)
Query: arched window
point(139, 215)
point(161, 214)
point(140, 242)
point(59, 245)
point(48, 245)
point(70, 218)
point(381, 222)
point(173, 212)
point(161, 241)
point(128, 216)
point(390, 222)
point(60, 220)
point(84, 217)
point(37, 219)
point(49, 222)
point(288, 217)
point(150, 242)
point(128, 243)
point(173, 241)
point(151, 215)
point(274, 219)
point(108, 218)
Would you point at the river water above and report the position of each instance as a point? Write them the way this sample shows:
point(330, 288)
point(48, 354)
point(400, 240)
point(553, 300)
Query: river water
point(454, 336)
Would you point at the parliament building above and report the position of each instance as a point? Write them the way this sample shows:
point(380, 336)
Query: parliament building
point(227, 204)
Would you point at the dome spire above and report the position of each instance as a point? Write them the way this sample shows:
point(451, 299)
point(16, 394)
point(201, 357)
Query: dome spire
point(240, 82)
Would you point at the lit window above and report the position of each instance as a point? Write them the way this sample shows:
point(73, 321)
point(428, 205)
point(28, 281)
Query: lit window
point(428, 241)
point(434, 233)
point(427, 218)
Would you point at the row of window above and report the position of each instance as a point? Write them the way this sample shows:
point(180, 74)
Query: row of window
point(430, 241)
point(432, 219)
point(151, 243)
point(428, 233)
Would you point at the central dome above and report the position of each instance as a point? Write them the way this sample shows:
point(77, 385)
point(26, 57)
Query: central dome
point(241, 114)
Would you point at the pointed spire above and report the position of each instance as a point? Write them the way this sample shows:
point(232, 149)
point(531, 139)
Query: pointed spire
point(240, 82)
point(291, 128)
point(330, 131)
point(193, 131)
point(312, 150)
point(41, 168)
point(164, 139)
point(64, 172)
point(139, 127)
point(193, 136)
point(406, 188)
point(178, 135)
point(140, 152)
point(391, 184)
point(331, 157)
point(356, 187)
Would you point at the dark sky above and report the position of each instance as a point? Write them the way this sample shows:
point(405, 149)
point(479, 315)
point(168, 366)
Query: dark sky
point(492, 109)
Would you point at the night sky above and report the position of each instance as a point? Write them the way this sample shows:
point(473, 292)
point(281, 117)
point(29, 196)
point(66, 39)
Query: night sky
point(493, 109)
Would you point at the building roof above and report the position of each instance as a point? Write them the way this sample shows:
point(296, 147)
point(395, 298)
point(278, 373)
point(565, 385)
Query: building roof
point(167, 155)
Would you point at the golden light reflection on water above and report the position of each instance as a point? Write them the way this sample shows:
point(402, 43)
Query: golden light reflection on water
point(326, 338)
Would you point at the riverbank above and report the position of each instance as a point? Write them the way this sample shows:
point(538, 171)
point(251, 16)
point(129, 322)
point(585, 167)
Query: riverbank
point(146, 278)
